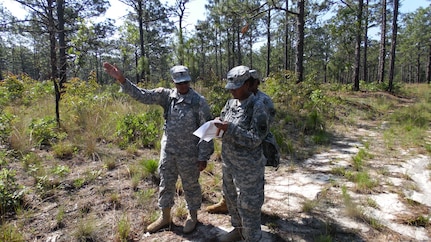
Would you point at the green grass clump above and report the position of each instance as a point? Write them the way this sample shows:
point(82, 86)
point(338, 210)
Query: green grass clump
point(85, 230)
point(123, 230)
point(11, 193)
point(142, 129)
point(8, 232)
point(150, 166)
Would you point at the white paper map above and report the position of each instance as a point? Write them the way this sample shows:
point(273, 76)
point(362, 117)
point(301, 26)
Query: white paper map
point(208, 131)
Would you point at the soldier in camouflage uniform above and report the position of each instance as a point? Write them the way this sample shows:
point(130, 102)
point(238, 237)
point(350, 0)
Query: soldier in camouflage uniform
point(245, 125)
point(271, 146)
point(181, 153)
point(221, 206)
point(254, 87)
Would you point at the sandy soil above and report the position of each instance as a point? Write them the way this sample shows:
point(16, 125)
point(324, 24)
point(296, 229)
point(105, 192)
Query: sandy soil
point(305, 200)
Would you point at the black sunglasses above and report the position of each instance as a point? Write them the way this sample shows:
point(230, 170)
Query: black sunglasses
point(182, 83)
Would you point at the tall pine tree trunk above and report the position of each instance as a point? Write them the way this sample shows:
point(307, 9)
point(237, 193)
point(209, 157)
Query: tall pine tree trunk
point(300, 44)
point(268, 43)
point(382, 53)
point(428, 71)
point(358, 46)
point(365, 66)
point(61, 43)
point(53, 58)
point(393, 46)
point(141, 76)
point(286, 37)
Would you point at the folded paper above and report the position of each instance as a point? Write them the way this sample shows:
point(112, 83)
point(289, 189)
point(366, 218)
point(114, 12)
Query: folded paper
point(208, 130)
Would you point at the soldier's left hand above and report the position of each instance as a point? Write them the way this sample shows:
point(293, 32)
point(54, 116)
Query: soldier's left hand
point(202, 165)
point(221, 126)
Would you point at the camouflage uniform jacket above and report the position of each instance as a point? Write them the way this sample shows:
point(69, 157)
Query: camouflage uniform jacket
point(183, 115)
point(265, 99)
point(249, 125)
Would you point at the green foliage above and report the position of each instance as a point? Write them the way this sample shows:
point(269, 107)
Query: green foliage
point(59, 217)
point(8, 232)
point(358, 159)
point(282, 88)
point(44, 131)
point(63, 150)
point(309, 205)
point(314, 122)
point(364, 182)
point(85, 231)
point(321, 137)
point(304, 104)
point(11, 194)
point(80, 99)
point(373, 86)
point(12, 88)
point(217, 97)
point(109, 163)
point(61, 171)
point(144, 197)
point(150, 166)
point(418, 115)
point(142, 129)
point(123, 229)
point(24, 90)
point(31, 160)
point(5, 126)
point(324, 238)
point(421, 220)
point(44, 184)
point(3, 158)
point(339, 171)
point(78, 183)
point(409, 125)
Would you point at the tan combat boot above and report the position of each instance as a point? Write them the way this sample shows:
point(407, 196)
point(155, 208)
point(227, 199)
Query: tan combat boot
point(191, 221)
point(234, 235)
point(163, 221)
point(220, 207)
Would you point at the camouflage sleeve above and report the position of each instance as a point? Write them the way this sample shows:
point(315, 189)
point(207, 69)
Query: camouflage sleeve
point(148, 96)
point(224, 109)
point(269, 105)
point(257, 132)
point(271, 109)
point(206, 149)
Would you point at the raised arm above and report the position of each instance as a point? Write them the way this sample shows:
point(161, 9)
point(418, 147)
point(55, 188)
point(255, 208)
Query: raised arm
point(114, 71)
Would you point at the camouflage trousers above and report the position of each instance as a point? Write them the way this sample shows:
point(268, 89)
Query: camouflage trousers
point(243, 189)
point(184, 166)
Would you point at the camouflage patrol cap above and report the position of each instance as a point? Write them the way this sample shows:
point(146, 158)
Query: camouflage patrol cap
point(254, 74)
point(180, 74)
point(237, 76)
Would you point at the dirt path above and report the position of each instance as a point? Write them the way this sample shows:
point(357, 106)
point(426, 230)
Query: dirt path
point(312, 199)
point(306, 202)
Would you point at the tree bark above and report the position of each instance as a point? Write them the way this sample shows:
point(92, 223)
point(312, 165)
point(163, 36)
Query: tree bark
point(358, 46)
point(268, 42)
point(141, 76)
point(286, 37)
point(364, 65)
point(53, 58)
point(300, 44)
point(62, 44)
point(382, 54)
point(393, 46)
point(428, 71)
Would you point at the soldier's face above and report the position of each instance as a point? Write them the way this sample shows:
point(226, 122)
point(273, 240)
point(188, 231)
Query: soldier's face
point(183, 87)
point(242, 92)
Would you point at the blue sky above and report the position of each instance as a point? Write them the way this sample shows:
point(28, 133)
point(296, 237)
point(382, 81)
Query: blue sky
point(195, 9)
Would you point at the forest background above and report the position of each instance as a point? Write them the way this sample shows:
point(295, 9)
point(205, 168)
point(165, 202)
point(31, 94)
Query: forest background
point(65, 129)
point(328, 41)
